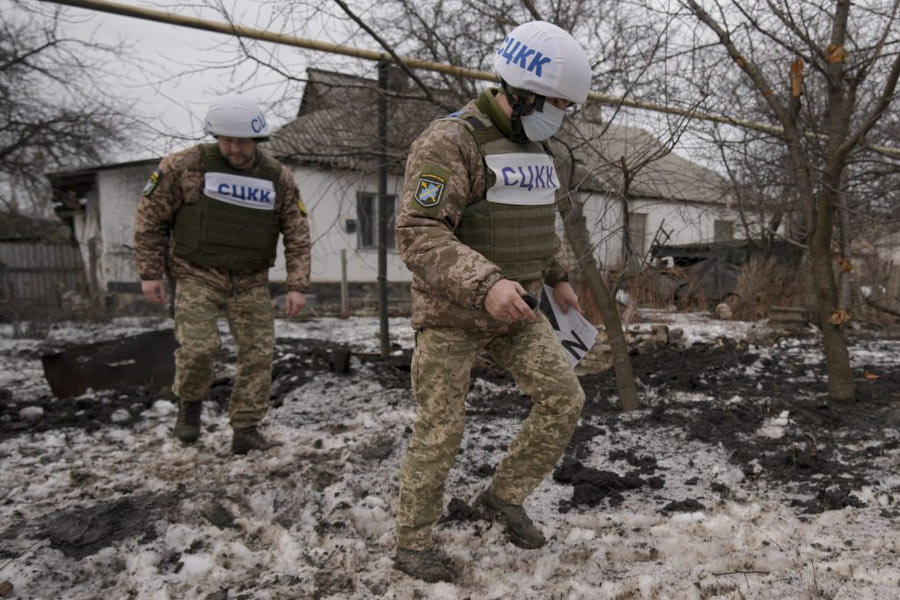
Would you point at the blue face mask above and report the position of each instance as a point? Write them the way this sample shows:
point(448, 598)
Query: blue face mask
point(541, 125)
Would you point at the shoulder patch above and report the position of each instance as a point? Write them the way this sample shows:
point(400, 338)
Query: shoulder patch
point(151, 184)
point(300, 204)
point(430, 189)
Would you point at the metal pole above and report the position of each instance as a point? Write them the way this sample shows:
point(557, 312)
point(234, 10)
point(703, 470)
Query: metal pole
point(383, 212)
point(345, 288)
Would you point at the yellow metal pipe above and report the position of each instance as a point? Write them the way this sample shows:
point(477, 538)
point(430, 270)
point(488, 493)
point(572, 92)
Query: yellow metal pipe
point(268, 36)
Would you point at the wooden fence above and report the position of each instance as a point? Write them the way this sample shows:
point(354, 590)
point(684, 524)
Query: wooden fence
point(39, 277)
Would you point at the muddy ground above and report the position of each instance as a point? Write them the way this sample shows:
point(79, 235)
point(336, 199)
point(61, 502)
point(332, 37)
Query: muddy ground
point(100, 495)
point(826, 453)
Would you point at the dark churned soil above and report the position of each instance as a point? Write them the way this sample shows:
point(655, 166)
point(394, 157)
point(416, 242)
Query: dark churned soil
point(828, 451)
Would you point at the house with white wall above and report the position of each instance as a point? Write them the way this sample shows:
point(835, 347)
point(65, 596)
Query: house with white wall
point(669, 199)
point(332, 148)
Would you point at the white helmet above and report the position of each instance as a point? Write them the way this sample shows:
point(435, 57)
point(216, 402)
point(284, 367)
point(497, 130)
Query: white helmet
point(236, 116)
point(542, 58)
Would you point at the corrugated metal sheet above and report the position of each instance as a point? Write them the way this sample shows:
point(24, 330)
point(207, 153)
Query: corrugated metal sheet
point(38, 274)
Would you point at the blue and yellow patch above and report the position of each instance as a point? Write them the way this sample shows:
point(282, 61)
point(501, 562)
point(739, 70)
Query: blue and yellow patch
point(300, 204)
point(151, 183)
point(429, 189)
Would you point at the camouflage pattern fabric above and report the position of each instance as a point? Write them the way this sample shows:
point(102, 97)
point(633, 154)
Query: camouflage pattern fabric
point(250, 319)
point(445, 173)
point(441, 375)
point(179, 180)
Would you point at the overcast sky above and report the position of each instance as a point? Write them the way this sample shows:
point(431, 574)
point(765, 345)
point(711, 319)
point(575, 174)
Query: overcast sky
point(172, 72)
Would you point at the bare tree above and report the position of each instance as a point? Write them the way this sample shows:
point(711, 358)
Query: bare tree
point(827, 74)
point(51, 115)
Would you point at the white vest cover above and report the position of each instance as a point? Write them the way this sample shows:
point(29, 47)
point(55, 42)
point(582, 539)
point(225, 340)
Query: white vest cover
point(240, 190)
point(523, 178)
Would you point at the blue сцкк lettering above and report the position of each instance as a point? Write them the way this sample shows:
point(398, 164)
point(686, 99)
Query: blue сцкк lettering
point(258, 124)
point(518, 53)
point(532, 176)
point(245, 193)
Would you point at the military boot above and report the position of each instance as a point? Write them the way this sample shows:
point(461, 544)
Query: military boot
point(246, 439)
point(187, 426)
point(426, 565)
point(520, 528)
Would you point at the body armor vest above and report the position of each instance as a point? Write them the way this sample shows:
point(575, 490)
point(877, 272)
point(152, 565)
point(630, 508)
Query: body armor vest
point(514, 225)
point(234, 224)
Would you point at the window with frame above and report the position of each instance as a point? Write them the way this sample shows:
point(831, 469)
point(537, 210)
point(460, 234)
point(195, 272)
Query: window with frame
point(723, 231)
point(367, 219)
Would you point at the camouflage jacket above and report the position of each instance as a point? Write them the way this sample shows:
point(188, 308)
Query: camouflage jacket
point(179, 180)
point(451, 280)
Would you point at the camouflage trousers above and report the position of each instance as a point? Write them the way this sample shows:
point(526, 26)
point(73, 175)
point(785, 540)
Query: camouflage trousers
point(441, 376)
point(250, 319)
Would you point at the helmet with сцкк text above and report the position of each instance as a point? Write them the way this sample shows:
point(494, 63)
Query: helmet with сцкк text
point(541, 58)
point(236, 116)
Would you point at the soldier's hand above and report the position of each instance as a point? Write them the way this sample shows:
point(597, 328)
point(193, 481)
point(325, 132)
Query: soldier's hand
point(504, 302)
point(154, 290)
point(294, 303)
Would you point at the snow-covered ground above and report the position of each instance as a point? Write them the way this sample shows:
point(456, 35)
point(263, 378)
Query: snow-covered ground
point(124, 510)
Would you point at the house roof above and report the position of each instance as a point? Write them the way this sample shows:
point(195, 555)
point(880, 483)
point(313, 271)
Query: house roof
point(337, 123)
point(337, 128)
point(601, 150)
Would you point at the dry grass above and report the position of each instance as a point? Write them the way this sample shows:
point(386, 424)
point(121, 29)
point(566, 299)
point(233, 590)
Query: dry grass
point(764, 282)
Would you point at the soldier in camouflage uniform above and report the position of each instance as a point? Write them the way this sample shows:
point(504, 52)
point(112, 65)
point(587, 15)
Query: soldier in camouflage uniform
point(476, 226)
point(214, 212)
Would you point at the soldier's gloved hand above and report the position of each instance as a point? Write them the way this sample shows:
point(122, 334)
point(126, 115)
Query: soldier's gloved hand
point(504, 302)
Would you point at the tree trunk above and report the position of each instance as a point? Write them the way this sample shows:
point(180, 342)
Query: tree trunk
point(834, 342)
point(820, 220)
point(841, 97)
point(579, 239)
point(845, 275)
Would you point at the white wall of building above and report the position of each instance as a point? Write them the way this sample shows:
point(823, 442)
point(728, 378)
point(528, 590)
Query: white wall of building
point(119, 190)
point(329, 196)
point(331, 200)
point(87, 232)
point(686, 223)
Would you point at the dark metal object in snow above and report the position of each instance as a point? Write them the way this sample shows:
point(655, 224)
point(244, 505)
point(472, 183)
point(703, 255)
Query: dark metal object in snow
point(144, 359)
point(336, 360)
point(788, 318)
point(709, 271)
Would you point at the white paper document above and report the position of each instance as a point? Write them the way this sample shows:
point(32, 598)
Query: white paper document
point(576, 334)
